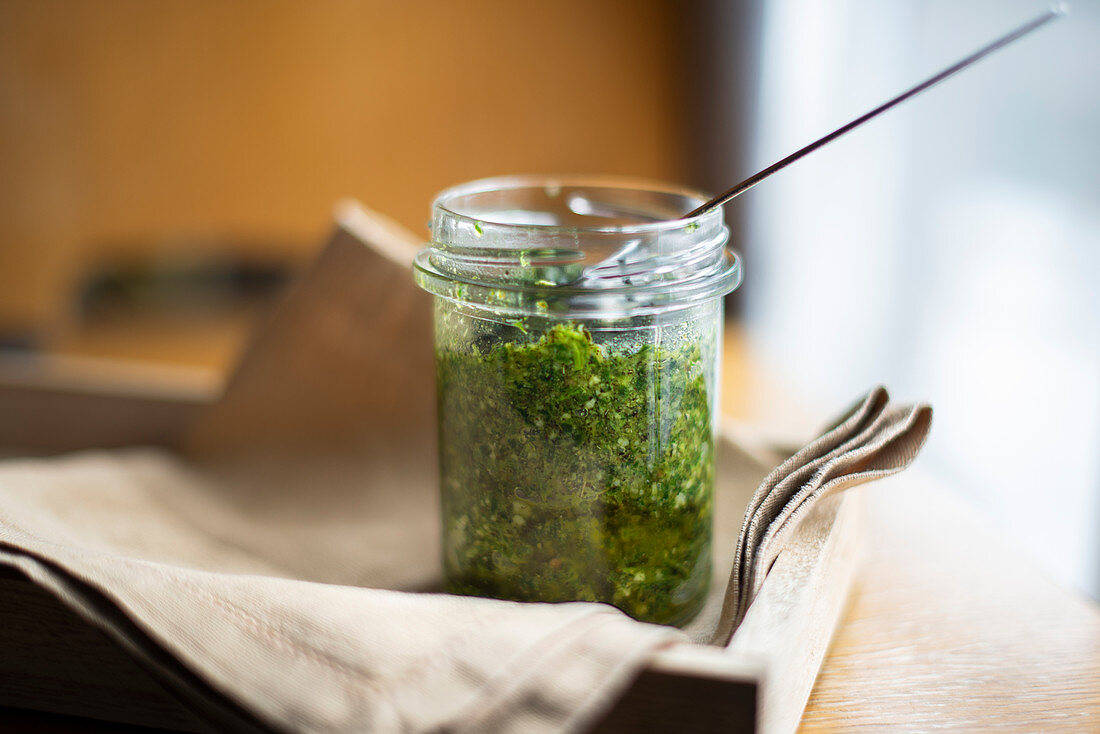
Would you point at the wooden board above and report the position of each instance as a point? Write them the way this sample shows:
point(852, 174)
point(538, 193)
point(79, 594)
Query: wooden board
point(49, 649)
point(52, 661)
point(52, 404)
point(280, 403)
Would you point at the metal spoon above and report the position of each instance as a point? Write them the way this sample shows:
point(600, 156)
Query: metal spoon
point(1056, 11)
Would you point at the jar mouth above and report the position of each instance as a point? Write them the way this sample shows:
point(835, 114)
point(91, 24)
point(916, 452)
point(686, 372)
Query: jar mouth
point(459, 202)
point(575, 244)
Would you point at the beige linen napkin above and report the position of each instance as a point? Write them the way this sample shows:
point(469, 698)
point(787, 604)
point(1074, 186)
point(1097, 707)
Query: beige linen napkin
point(249, 649)
point(291, 589)
point(146, 548)
point(871, 441)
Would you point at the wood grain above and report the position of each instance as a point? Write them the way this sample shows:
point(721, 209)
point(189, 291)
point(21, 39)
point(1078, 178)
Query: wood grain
point(951, 629)
point(48, 649)
point(791, 622)
point(343, 364)
point(688, 689)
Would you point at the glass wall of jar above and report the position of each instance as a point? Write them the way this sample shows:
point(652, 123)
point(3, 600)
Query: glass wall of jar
point(578, 332)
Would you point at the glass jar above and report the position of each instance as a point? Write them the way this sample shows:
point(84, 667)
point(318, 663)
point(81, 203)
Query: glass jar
point(578, 333)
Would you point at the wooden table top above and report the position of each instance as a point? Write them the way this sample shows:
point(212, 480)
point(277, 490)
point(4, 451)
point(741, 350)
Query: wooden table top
point(948, 626)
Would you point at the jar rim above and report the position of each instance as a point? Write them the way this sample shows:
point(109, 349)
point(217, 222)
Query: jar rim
point(520, 181)
point(511, 245)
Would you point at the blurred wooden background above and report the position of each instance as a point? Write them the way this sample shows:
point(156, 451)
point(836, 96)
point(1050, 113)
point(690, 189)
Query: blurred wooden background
point(133, 130)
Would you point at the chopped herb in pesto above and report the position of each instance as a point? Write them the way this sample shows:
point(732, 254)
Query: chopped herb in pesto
point(572, 470)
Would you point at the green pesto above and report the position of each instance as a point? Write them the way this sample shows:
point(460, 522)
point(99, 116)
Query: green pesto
point(575, 472)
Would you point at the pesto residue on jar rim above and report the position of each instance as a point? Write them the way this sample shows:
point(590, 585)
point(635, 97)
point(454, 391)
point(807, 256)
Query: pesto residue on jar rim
point(504, 244)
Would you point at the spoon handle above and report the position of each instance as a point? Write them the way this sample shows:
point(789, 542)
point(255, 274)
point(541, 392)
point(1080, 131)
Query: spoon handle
point(1055, 11)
